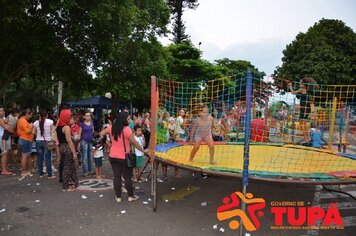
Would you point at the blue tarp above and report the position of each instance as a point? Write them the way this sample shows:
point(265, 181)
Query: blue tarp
point(99, 102)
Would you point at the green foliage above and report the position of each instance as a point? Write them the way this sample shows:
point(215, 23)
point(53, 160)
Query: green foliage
point(326, 52)
point(43, 42)
point(177, 8)
point(125, 63)
point(185, 64)
point(66, 39)
point(239, 67)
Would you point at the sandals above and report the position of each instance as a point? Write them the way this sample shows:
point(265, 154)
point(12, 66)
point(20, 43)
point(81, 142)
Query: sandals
point(118, 199)
point(123, 189)
point(133, 198)
point(22, 177)
point(68, 190)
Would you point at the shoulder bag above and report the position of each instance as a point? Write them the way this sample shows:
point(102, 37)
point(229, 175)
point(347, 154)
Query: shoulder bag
point(50, 145)
point(130, 158)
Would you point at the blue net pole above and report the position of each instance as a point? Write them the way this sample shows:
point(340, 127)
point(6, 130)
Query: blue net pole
point(247, 140)
point(247, 128)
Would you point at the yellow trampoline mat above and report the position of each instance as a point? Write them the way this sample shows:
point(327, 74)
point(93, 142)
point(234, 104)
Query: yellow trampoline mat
point(287, 159)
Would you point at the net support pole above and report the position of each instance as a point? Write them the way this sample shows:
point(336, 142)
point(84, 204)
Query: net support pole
point(247, 141)
point(154, 112)
point(332, 124)
point(293, 122)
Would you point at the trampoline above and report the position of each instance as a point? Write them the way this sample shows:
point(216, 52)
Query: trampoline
point(267, 162)
point(271, 148)
point(292, 142)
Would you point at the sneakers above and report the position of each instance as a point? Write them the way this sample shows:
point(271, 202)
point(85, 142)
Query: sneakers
point(133, 198)
point(52, 177)
point(118, 199)
point(123, 189)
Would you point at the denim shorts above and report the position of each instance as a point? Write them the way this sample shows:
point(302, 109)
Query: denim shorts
point(26, 146)
point(98, 162)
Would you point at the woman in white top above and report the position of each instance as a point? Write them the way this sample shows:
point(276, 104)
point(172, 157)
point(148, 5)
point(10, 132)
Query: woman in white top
point(43, 128)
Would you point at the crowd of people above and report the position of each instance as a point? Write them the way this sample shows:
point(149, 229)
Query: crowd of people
point(42, 139)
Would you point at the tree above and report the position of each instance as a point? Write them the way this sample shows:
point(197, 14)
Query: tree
point(42, 40)
point(326, 52)
point(66, 39)
point(125, 62)
point(238, 69)
point(177, 8)
point(185, 64)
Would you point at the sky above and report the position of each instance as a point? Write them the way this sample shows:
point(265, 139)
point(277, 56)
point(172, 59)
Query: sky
point(258, 30)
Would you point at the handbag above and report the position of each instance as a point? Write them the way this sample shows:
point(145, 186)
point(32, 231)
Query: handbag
point(130, 158)
point(50, 145)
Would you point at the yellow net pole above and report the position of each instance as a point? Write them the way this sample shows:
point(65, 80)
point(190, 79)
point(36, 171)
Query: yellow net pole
point(332, 125)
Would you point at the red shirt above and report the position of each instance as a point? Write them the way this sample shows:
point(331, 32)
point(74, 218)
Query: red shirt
point(259, 131)
point(74, 129)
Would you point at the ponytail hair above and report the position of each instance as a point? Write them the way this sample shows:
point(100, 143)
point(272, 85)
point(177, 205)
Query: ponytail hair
point(43, 116)
point(119, 124)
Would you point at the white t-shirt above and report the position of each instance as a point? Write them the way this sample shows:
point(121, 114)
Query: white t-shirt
point(141, 141)
point(47, 130)
point(179, 122)
point(98, 153)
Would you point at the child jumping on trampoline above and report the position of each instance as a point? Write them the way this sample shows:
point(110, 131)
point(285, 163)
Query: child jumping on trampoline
point(201, 131)
point(305, 106)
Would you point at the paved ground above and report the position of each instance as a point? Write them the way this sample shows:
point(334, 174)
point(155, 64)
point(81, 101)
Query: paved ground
point(38, 207)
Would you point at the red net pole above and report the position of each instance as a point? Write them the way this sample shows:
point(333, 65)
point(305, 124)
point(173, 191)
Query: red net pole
point(153, 139)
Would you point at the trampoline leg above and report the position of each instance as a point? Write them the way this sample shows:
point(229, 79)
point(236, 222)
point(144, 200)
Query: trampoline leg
point(143, 169)
point(154, 185)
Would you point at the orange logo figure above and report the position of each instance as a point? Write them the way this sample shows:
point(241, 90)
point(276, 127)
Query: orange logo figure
point(253, 206)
